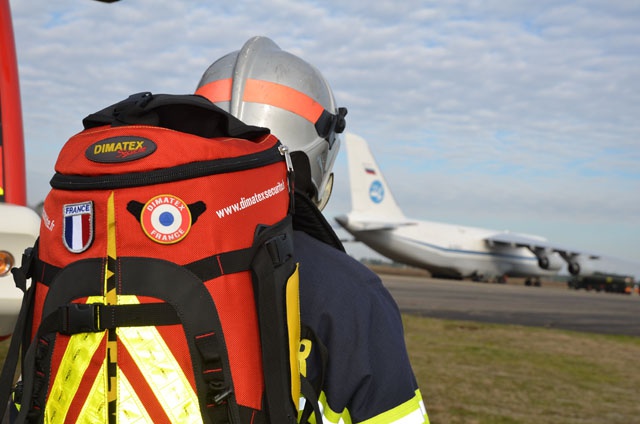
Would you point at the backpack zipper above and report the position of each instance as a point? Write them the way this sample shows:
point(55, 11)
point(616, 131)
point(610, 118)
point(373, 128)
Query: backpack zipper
point(166, 175)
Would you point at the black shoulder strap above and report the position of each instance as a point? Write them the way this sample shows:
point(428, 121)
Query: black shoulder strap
point(11, 361)
point(311, 392)
point(187, 113)
point(272, 266)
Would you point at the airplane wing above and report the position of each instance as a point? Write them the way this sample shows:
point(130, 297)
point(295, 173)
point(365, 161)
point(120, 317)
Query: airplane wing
point(535, 244)
point(370, 224)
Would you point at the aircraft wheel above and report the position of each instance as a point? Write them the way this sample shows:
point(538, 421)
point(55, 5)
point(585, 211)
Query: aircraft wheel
point(477, 278)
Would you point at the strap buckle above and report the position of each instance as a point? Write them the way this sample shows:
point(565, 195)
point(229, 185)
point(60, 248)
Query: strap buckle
point(79, 318)
point(221, 397)
point(280, 248)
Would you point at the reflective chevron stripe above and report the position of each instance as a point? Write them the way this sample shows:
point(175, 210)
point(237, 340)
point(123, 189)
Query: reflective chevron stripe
point(94, 409)
point(75, 361)
point(130, 408)
point(161, 371)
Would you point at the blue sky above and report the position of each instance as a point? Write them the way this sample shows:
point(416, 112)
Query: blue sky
point(506, 115)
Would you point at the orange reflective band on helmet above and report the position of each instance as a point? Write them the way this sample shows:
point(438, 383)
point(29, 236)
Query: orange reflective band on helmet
point(283, 97)
point(216, 91)
point(287, 98)
point(265, 92)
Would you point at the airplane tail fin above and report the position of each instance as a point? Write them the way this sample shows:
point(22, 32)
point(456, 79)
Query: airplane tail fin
point(370, 194)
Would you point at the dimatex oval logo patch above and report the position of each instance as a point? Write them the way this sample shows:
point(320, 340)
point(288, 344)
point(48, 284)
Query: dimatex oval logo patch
point(123, 148)
point(77, 233)
point(166, 219)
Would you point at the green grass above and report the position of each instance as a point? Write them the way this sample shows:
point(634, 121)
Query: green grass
point(475, 373)
point(483, 373)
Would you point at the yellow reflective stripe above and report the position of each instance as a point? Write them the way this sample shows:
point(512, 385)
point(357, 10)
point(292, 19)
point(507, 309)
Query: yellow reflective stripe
point(95, 409)
point(73, 366)
point(130, 408)
point(332, 416)
point(410, 412)
point(111, 227)
point(161, 370)
point(328, 415)
point(111, 299)
point(293, 326)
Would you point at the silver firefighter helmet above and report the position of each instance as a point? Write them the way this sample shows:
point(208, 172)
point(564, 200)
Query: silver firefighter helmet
point(263, 85)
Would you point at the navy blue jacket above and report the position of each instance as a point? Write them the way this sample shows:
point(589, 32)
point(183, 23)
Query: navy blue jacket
point(368, 372)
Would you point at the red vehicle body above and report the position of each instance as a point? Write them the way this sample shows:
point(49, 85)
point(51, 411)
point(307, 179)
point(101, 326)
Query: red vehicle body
point(12, 169)
point(19, 225)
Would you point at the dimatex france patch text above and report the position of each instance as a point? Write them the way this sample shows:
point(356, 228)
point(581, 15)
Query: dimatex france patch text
point(77, 234)
point(166, 219)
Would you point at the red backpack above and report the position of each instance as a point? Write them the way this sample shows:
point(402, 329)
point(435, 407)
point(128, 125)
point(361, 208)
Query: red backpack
point(163, 283)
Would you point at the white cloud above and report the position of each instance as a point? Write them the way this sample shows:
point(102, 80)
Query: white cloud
point(522, 113)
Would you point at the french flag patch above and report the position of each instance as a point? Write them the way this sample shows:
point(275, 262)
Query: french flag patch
point(77, 234)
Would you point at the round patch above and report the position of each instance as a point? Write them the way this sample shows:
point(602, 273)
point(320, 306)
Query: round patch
point(166, 219)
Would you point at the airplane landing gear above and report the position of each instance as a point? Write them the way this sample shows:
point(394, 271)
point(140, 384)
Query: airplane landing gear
point(532, 281)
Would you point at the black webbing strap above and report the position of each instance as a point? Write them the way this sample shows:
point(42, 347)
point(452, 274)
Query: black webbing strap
point(218, 390)
point(27, 267)
point(45, 272)
point(224, 263)
point(33, 267)
point(310, 403)
point(272, 266)
point(13, 354)
point(77, 318)
point(310, 391)
point(20, 277)
point(39, 270)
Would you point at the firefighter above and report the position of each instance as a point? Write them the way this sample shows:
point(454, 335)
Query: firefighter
point(352, 351)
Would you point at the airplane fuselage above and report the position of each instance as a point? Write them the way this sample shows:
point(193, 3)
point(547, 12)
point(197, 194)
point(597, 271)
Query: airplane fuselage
point(452, 250)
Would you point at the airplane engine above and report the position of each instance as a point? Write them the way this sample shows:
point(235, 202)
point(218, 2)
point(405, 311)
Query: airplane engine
point(543, 261)
point(574, 268)
point(580, 266)
point(548, 261)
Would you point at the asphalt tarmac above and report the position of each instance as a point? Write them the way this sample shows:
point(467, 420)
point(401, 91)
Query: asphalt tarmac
point(549, 307)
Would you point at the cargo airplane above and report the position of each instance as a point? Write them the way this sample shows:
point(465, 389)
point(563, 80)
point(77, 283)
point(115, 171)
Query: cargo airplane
point(445, 250)
point(19, 225)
